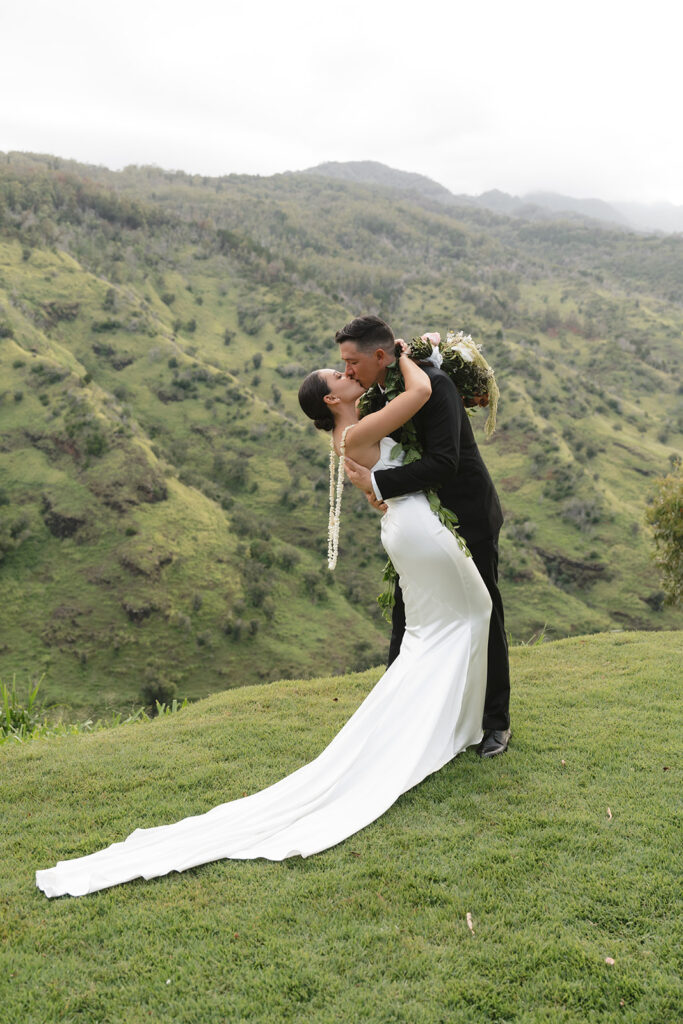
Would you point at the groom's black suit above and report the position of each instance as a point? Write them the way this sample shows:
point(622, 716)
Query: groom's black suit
point(452, 466)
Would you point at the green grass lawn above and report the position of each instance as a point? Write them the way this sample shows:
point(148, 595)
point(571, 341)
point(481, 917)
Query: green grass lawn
point(563, 851)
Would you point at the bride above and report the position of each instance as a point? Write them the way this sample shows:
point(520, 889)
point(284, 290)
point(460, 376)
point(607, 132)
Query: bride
point(426, 708)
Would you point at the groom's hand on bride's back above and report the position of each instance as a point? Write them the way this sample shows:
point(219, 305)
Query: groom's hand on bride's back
point(358, 475)
point(360, 478)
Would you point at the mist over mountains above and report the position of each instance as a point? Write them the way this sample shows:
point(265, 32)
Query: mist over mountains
point(664, 217)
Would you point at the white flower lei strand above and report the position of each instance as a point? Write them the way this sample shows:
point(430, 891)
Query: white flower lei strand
point(335, 501)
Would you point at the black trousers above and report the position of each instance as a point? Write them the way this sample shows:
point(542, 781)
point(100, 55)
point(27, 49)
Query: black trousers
point(497, 703)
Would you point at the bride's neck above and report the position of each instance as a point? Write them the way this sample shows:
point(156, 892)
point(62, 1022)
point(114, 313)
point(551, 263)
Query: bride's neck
point(346, 417)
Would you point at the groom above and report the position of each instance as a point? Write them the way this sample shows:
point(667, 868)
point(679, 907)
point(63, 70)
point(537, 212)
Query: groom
point(452, 466)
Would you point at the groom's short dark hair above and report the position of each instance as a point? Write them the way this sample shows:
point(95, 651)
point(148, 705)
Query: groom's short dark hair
point(368, 333)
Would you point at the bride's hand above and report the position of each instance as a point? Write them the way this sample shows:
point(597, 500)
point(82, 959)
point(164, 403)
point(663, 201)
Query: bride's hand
point(380, 506)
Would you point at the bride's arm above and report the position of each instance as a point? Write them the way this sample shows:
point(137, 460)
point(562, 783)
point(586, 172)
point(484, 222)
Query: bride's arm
point(376, 425)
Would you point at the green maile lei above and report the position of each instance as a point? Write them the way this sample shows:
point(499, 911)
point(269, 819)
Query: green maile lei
point(467, 368)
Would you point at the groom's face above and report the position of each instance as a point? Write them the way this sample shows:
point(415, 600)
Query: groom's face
point(367, 368)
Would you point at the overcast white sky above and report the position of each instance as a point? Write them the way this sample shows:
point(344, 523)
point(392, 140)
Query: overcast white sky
point(582, 98)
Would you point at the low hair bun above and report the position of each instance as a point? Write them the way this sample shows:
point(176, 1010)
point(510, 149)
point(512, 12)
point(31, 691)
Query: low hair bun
point(324, 423)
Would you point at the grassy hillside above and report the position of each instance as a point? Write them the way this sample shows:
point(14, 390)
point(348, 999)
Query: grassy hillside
point(562, 851)
point(163, 506)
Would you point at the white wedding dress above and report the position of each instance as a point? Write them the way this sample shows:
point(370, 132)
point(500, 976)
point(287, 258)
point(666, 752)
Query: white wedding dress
point(426, 708)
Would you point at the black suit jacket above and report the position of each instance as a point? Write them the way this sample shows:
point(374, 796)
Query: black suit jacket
point(450, 465)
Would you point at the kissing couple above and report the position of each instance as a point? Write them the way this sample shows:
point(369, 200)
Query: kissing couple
point(446, 687)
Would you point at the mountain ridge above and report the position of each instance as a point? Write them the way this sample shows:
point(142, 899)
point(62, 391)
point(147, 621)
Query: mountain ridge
point(632, 216)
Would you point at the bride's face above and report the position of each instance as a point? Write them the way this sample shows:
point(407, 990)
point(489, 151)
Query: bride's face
point(341, 386)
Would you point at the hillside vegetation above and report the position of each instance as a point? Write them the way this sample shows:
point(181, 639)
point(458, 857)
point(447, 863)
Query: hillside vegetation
point(562, 852)
point(163, 501)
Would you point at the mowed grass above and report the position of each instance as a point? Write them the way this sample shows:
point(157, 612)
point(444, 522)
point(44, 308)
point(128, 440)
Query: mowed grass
point(564, 852)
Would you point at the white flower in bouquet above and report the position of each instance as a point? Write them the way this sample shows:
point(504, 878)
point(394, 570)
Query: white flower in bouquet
point(462, 344)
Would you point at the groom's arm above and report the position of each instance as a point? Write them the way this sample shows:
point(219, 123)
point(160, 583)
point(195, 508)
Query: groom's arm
point(440, 430)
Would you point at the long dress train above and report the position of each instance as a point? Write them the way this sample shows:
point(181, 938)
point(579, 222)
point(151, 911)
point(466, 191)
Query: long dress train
point(426, 709)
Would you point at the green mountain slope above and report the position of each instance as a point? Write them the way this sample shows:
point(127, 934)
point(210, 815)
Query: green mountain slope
point(164, 501)
point(120, 570)
point(561, 852)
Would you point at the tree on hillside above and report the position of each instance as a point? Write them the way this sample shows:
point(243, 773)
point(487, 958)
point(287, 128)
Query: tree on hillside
point(665, 515)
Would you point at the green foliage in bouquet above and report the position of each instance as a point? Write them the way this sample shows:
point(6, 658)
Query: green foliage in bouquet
point(471, 374)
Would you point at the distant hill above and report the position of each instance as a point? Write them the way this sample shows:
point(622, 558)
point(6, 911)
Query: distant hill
point(652, 216)
point(593, 209)
point(664, 217)
point(163, 502)
point(632, 216)
point(370, 172)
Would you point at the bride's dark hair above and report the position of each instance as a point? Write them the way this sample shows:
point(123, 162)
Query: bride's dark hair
point(311, 394)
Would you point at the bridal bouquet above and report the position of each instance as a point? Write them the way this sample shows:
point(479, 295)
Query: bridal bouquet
point(461, 359)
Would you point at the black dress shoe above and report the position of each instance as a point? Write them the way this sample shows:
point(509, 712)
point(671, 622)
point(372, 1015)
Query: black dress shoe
point(495, 741)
